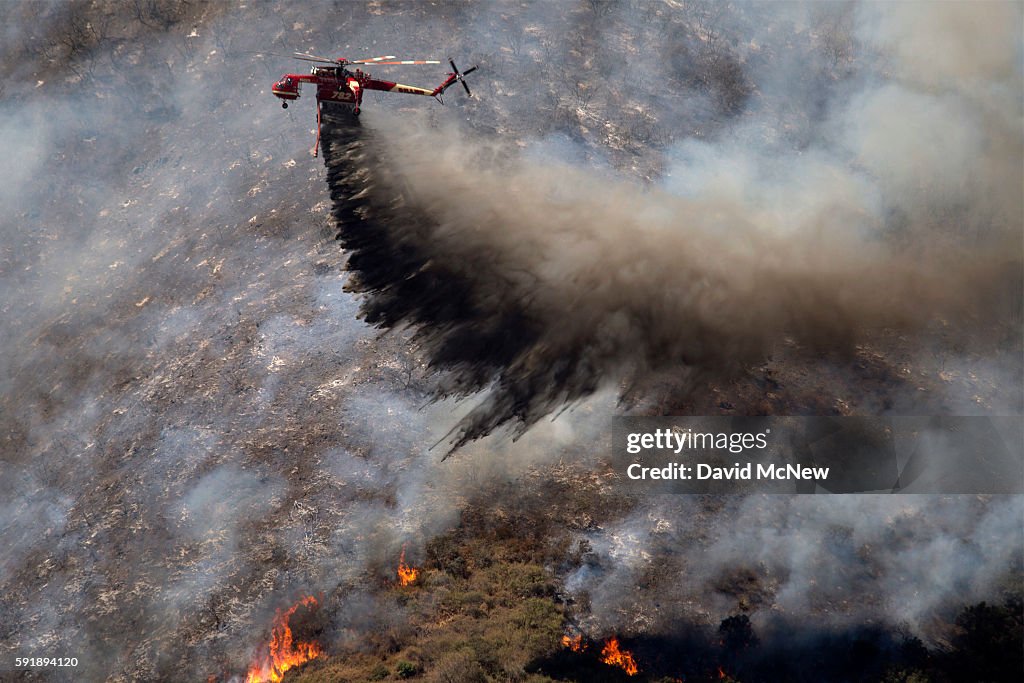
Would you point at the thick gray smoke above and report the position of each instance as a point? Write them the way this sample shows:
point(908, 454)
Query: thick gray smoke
point(541, 282)
point(846, 561)
point(194, 427)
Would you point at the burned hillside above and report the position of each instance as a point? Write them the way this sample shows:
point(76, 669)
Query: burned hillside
point(218, 421)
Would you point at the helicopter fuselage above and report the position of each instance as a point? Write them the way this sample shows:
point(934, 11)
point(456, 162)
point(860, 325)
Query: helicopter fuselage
point(338, 84)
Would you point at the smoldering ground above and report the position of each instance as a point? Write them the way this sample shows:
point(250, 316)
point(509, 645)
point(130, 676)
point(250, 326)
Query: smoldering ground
point(180, 323)
point(540, 282)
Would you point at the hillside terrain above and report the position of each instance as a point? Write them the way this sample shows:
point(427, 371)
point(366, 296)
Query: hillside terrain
point(249, 392)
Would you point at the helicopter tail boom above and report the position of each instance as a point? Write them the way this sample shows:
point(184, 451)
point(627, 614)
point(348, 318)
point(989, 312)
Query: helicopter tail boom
point(453, 78)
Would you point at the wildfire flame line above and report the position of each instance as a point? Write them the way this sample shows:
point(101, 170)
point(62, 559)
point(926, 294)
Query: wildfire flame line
point(612, 655)
point(406, 574)
point(574, 643)
point(283, 652)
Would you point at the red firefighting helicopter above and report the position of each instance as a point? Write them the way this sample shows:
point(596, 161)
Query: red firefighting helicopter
point(336, 83)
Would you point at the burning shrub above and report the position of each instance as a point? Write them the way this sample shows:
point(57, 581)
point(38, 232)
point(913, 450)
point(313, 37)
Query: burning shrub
point(613, 655)
point(284, 651)
point(574, 643)
point(406, 575)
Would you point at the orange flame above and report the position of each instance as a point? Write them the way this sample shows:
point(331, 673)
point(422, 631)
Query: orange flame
point(283, 652)
point(406, 574)
point(721, 673)
point(574, 643)
point(613, 656)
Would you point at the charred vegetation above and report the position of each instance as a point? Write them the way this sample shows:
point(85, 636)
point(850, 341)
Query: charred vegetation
point(198, 435)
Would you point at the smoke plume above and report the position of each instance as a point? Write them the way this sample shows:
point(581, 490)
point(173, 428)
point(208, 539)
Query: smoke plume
point(541, 282)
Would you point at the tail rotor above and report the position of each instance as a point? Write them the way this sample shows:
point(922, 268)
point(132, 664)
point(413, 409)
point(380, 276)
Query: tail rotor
point(459, 77)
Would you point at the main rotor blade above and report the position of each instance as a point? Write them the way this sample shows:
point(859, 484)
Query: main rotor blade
point(372, 60)
point(470, 70)
point(314, 58)
point(402, 61)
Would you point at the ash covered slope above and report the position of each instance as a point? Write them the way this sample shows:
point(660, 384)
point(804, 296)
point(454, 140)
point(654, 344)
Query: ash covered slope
point(196, 427)
point(185, 356)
